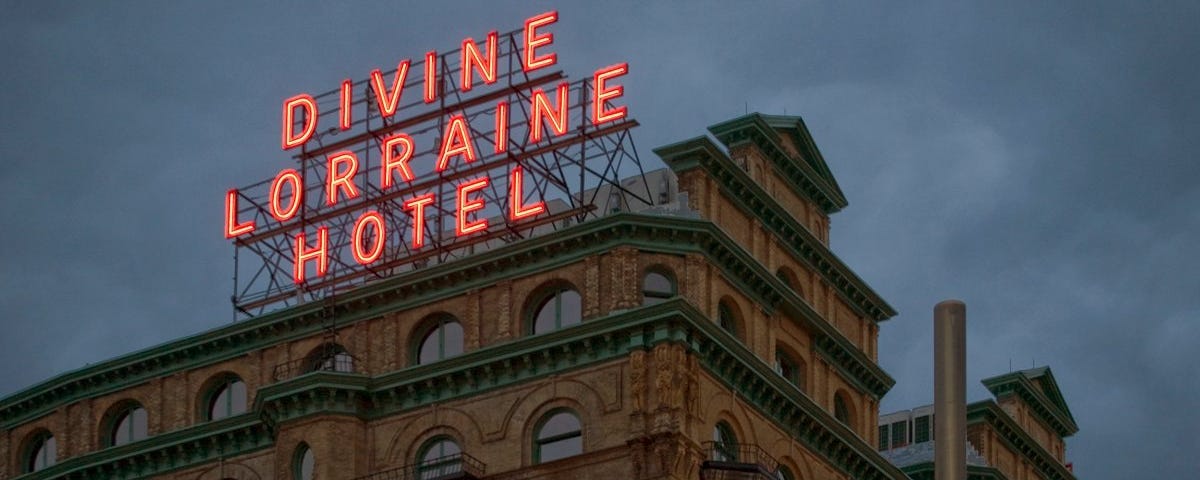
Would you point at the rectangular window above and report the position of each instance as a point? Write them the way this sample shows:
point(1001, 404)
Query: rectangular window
point(921, 426)
point(883, 437)
point(899, 434)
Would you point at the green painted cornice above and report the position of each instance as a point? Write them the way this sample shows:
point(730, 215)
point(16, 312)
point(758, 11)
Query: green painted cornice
point(1051, 410)
point(593, 342)
point(924, 471)
point(988, 411)
point(160, 454)
point(701, 152)
point(654, 233)
point(808, 176)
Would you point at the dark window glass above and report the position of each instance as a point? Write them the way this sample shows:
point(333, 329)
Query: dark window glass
point(305, 463)
point(444, 340)
point(229, 400)
point(129, 426)
point(883, 437)
point(784, 473)
point(725, 318)
point(440, 457)
point(562, 309)
point(43, 453)
point(899, 433)
point(558, 437)
point(921, 429)
point(657, 288)
point(783, 277)
point(789, 369)
point(332, 358)
point(724, 443)
point(840, 411)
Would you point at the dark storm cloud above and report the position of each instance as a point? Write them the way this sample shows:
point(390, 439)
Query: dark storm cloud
point(1034, 160)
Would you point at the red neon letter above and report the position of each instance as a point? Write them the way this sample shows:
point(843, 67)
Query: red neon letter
point(431, 76)
point(533, 41)
point(501, 127)
point(392, 162)
point(456, 141)
point(232, 227)
point(416, 205)
point(305, 102)
point(339, 179)
point(286, 175)
point(602, 93)
point(320, 253)
point(516, 191)
point(541, 107)
point(387, 106)
point(374, 219)
point(471, 60)
point(463, 227)
point(347, 94)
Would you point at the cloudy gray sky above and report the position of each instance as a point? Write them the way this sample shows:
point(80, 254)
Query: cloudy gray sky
point(1034, 160)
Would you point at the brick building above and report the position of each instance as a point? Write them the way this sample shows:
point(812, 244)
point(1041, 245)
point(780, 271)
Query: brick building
point(1019, 434)
point(712, 335)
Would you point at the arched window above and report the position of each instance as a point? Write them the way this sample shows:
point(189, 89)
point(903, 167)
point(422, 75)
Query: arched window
point(440, 457)
point(562, 308)
point(226, 399)
point(443, 338)
point(41, 452)
point(784, 473)
point(726, 318)
point(725, 444)
point(788, 278)
point(330, 357)
point(789, 368)
point(304, 463)
point(128, 425)
point(657, 288)
point(841, 410)
point(558, 435)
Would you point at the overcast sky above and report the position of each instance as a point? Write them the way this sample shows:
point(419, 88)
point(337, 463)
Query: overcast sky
point(1036, 161)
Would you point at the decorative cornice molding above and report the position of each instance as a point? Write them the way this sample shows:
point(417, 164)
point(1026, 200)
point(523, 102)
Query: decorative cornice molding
point(701, 152)
point(988, 411)
point(798, 175)
point(1046, 408)
point(658, 233)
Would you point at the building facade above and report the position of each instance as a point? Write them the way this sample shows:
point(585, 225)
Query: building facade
point(1017, 435)
point(711, 335)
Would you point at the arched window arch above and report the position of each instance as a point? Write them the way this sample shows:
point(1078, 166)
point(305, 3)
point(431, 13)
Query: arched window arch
point(304, 463)
point(128, 422)
point(842, 410)
point(727, 317)
point(329, 357)
point(657, 286)
point(558, 308)
point(439, 457)
point(790, 367)
point(725, 443)
point(440, 337)
point(224, 397)
point(788, 277)
point(41, 451)
point(558, 435)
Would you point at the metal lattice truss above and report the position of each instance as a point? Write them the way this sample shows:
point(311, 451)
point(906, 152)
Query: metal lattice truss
point(564, 171)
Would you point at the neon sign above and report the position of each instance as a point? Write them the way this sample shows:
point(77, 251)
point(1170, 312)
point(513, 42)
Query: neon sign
point(427, 160)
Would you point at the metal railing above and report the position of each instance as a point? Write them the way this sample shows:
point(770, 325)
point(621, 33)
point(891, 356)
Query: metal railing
point(336, 363)
point(735, 461)
point(450, 467)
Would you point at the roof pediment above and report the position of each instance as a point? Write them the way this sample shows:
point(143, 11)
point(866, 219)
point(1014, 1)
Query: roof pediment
point(787, 143)
point(1037, 387)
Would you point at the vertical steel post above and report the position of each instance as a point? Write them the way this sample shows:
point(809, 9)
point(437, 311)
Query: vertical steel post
point(950, 390)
